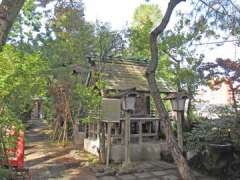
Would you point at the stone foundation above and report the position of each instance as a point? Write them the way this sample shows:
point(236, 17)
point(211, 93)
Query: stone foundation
point(138, 152)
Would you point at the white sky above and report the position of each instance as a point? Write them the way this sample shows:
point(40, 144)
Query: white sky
point(119, 13)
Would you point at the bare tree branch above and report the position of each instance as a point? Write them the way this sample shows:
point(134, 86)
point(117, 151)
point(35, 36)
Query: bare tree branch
point(171, 56)
point(215, 10)
point(235, 6)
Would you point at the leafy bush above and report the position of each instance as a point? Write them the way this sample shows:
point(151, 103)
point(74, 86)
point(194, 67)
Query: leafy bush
point(224, 129)
point(21, 78)
point(5, 173)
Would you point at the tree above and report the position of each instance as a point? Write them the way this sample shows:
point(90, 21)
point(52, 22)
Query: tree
point(27, 26)
point(224, 71)
point(214, 14)
point(181, 70)
point(203, 11)
point(144, 19)
point(21, 79)
point(73, 40)
point(108, 42)
point(9, 10)
point(150, 74)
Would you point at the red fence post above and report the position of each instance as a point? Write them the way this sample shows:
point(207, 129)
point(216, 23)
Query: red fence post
point(18, 161)
point(20, 150)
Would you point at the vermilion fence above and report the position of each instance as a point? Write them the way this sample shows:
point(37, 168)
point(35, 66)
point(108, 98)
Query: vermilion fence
point(15, 153)
point(16, 159)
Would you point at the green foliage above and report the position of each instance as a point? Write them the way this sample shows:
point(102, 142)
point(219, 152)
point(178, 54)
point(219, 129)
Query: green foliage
point(21, 78)
point(145, 13)
point(108, 42)
point(27, 25)
point(90, 101)
point(166, 70)
point(5, 173)
point(9, 120)
point(74, 40)
point(144, 19)
point(221, 130)
point(218, 20)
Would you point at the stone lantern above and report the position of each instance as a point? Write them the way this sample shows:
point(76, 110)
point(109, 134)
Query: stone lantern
point(178, 100)
point(129, 102)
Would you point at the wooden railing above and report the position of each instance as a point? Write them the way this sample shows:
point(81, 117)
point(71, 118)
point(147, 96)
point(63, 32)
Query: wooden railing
point(142, 129)
point(140, 134)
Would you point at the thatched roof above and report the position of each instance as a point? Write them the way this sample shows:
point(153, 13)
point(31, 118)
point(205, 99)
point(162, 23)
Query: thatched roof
point(126, 75)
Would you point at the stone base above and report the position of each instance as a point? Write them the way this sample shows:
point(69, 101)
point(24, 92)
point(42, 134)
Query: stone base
point(138, 152)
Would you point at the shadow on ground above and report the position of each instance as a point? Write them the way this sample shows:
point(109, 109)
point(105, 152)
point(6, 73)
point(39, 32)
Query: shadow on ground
point(47, 160)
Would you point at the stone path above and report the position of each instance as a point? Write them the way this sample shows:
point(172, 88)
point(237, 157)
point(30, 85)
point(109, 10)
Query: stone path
point(50, 161)
point(154, 170)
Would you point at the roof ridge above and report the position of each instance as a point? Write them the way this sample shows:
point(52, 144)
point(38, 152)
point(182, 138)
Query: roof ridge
point(127, 62)
point(121, 60)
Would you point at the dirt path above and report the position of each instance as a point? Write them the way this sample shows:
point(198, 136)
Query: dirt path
point(50, 161)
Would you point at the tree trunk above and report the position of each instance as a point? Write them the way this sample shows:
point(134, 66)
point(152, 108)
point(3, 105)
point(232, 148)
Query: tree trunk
point(180, 161)
point(9, 10)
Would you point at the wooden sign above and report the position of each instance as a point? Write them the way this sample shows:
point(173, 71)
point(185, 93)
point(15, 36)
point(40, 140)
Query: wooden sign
point(111, 109)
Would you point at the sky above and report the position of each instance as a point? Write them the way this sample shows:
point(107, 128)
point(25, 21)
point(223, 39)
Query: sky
point(119, 14)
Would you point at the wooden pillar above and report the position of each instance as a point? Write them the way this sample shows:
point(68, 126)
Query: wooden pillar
point(116, 129)
point(122, 131)
point(156, 127)
point(98, 129)
point(85, 130)
point(108, 143)
point(40, 109)
point(140, 131)
point(179, 130)
point(150, 127)
point(90, 130)
point(127, 139)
